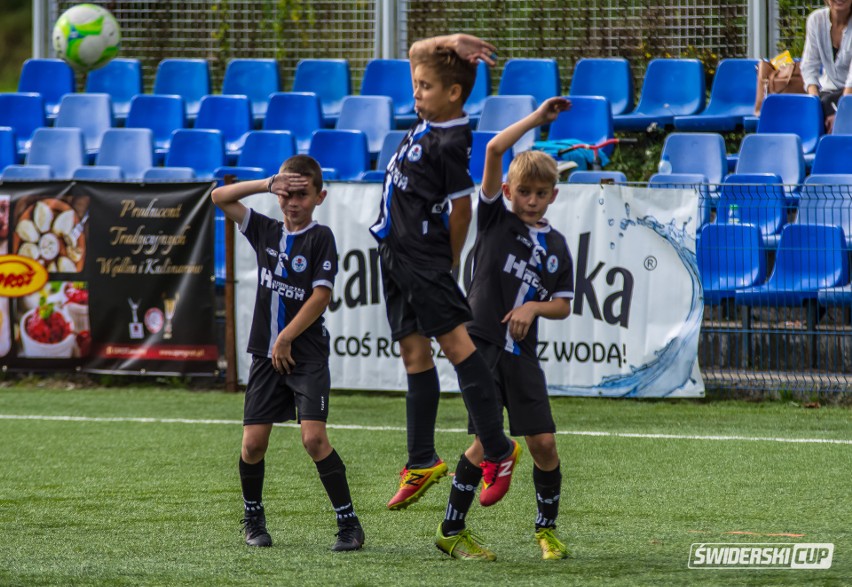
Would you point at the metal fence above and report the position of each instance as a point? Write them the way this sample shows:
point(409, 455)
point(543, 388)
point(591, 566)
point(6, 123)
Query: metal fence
point(290, 30)
point(775, 262)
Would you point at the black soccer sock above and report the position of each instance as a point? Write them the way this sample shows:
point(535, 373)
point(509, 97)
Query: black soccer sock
point(465, 481)
point(421, 411)
point(332, 473)
point(480, 398)
point(251, 479)
point(548, 486)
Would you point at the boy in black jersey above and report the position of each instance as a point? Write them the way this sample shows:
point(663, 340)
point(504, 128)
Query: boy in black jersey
point(420, 238)
point(296, 266)
point(522, 271)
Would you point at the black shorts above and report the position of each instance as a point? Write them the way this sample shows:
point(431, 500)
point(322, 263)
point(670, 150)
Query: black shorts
point(522, 389)
point(272, 397)
point(419, 300)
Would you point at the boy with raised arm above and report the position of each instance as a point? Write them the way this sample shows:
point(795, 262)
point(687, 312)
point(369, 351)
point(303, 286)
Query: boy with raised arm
point(522, 271)
point(422, 224)
point(296, 263)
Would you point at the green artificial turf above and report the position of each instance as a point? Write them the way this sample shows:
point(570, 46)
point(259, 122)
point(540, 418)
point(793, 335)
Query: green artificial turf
point(158, 503)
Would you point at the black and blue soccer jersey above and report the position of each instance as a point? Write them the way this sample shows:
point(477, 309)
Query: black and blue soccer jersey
point(514, 263)
point(289, 267)
point(429, 169)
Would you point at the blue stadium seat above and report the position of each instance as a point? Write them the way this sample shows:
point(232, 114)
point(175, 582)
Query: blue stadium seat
point(498, 112)
point(162, 114)
point(596, 176)
point(780, 154)
point(607, 77)
point(695, 181)
point(477, 154)
point(760, 201)
point(187, 78)
point(538, 78)
point(327, 78)
point(843, 118)
point(255, 78)
point(731, 98)
point(26, 172)
point(131, 149)
point(481, 90)
point(672, 87)
point(729, 258)
point(201, 149)
point(810, 257)
point(23, 113)
point(229, 114)
point(799, 114)
point(389, 147)
point(833, 155)
point(52, 78)
point(168, 174)
point(373, 115)
point(267, 150)
point(343, 152)
point(827, 199)
point(298, 112)
point(92, 113)
point(702, 153)
point(103, 172)
point(392, 78)
point(8, 147)
point(241, 173)
point(62, 149)
point(589, 120)
point(121, 79)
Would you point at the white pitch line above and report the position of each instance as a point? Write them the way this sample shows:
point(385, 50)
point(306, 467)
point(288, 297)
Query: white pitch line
point(441, 430)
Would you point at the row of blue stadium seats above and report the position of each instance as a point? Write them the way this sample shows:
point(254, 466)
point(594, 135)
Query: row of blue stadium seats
point(811, 265)
point(673, 91)
point(128, 153)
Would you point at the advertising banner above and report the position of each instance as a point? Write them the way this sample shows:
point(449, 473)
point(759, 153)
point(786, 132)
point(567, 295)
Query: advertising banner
point(633, 329)
point(107, 277)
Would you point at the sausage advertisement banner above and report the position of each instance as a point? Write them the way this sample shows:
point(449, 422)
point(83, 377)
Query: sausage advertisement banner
point(107, 277)
point(635, 319)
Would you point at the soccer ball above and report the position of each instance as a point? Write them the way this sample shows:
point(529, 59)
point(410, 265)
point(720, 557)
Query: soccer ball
point(86, 36)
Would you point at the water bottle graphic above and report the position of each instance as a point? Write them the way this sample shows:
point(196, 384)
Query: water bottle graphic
point(665, 166)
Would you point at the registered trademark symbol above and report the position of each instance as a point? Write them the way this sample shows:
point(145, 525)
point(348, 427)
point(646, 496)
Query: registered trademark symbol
point(650, 263)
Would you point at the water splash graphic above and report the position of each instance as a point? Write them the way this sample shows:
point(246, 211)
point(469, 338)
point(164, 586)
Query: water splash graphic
point(671, 369)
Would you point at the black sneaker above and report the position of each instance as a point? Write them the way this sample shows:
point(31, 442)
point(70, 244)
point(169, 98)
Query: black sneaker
point(349, 537)
point(255, 529)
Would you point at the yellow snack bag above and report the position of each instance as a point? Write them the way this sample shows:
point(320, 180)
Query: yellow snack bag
point(781, 60)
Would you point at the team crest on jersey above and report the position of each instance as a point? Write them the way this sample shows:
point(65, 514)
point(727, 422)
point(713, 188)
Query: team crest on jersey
point(299, 264)
point(552, 264)
point(415, 153)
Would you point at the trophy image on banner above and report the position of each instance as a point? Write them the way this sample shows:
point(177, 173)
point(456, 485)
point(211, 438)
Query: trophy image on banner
point(170, 305)
point(136, 330)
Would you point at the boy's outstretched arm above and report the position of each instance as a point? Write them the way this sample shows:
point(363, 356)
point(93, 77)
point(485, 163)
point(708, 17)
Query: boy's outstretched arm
point(467, 47)
point(492, 176)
